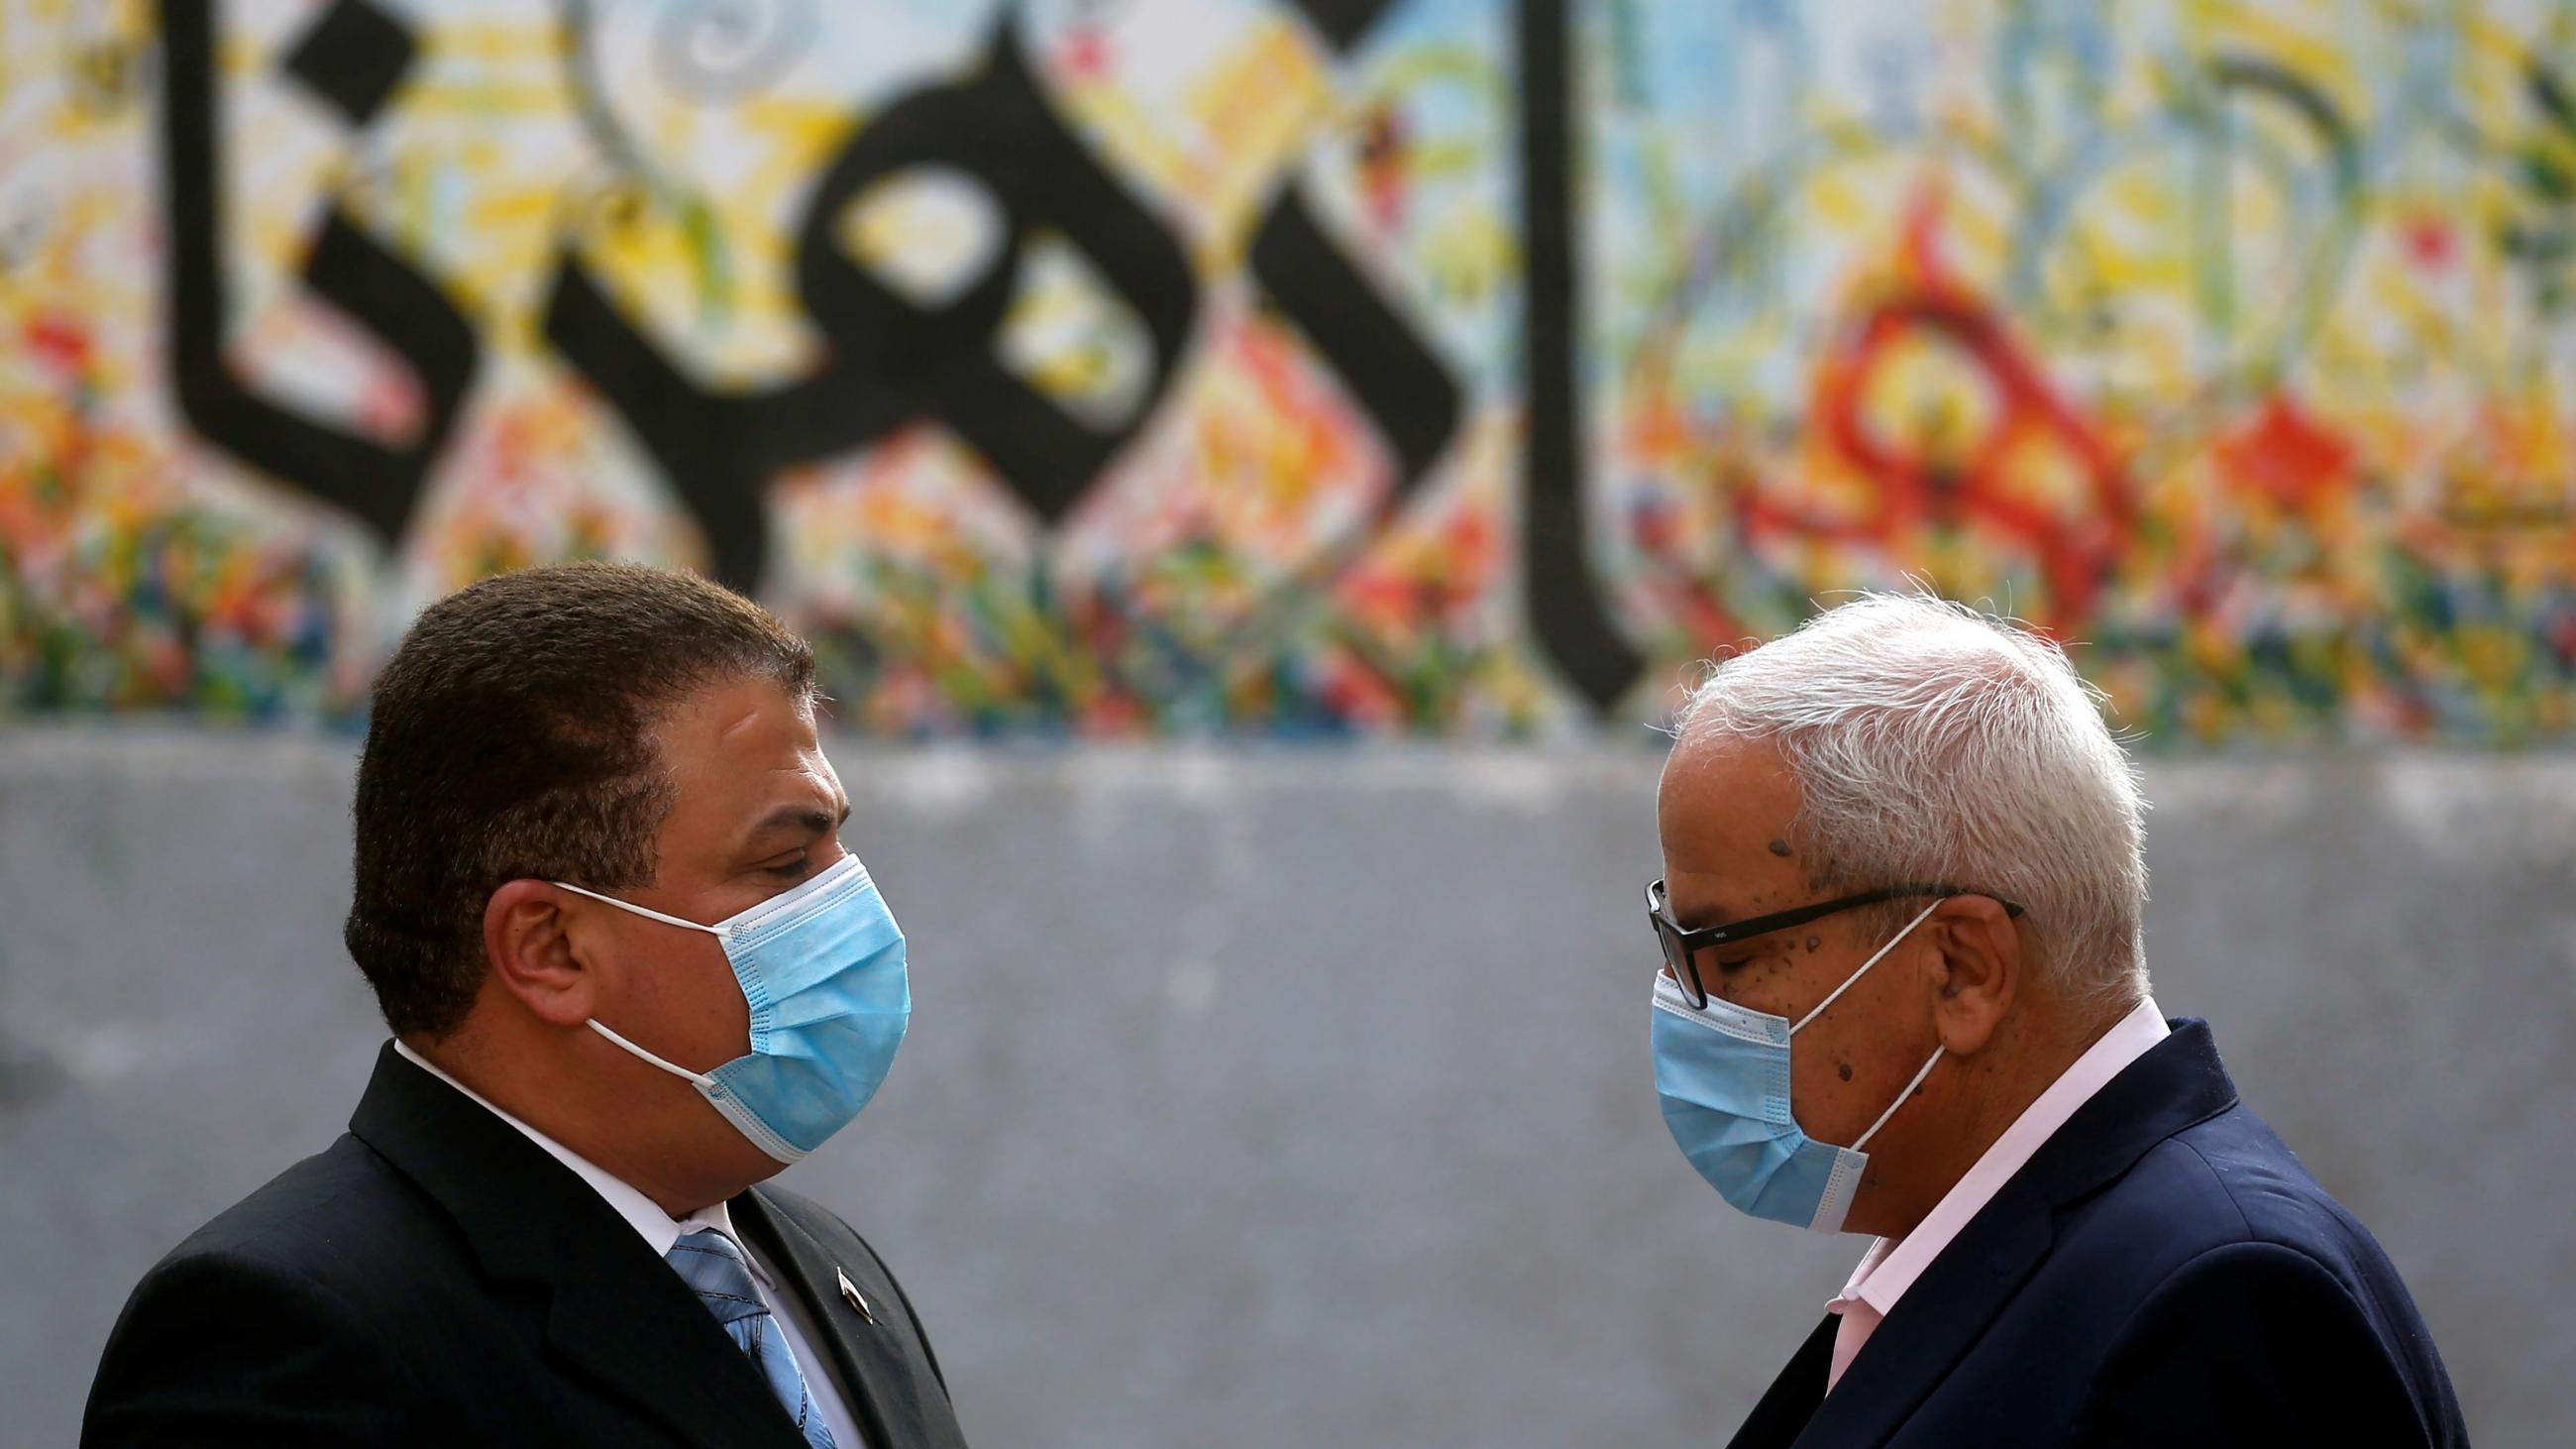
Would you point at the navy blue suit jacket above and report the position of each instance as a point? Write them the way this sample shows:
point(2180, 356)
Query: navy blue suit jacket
point(2161, 1272)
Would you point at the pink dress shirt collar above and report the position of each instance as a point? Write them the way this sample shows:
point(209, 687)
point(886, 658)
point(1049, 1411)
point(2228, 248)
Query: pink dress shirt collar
point(1891, 1266)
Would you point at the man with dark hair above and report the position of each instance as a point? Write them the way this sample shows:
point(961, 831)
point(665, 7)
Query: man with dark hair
point(630, 973)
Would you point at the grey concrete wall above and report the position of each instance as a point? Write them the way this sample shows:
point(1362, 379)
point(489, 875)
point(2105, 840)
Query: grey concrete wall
point(1294, 1099)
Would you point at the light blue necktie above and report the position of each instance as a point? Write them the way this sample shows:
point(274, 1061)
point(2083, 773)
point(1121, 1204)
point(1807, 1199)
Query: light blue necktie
point(714, 1269)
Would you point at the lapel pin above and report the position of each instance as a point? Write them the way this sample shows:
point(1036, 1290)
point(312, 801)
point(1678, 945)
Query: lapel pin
point(850, 1290)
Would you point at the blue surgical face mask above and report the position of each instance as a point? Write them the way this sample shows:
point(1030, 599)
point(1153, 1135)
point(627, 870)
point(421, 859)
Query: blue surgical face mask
point(822, 967)
point(1723, 1074)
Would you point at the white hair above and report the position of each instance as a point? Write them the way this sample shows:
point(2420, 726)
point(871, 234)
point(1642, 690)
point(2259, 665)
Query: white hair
point(1933, 744)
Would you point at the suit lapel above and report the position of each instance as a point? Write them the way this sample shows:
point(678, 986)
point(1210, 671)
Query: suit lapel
point(1935, 1323)
point(626, 1333)
point(884, 1389)
point(2177, 1083)
point(1791, 1401)
point(612, 1309)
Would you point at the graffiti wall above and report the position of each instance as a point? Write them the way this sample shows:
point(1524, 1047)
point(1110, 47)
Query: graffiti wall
point(2234, 339)
point(1302, 366)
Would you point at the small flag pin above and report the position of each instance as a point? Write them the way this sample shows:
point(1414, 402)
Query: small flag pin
point(850, 1290)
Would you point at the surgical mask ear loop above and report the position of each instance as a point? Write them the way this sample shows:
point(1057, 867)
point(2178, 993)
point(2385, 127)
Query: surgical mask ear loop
point(650, 914)
point(1928, 1065)
point(702, 1081)
point(1855, 976)
point(699, 1079)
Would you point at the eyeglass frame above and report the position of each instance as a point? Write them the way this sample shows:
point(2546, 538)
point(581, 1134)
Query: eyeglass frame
point(1681, 945)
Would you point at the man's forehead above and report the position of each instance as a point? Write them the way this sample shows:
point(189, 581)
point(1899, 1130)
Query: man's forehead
point(1722, 780)
point(788, 766)
point(1724, 812)
point(750, 739)
point(750, 711)
point(749, 725)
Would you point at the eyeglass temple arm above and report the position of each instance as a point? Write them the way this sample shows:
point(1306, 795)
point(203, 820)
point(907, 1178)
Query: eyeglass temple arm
point(1781, 921)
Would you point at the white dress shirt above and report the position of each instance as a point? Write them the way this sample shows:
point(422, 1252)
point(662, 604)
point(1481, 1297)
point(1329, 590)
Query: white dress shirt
point(660, 1230)
point(1891, 1265)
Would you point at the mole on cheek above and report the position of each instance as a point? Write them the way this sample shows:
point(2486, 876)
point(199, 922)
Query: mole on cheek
point(1813, 942)
point(1845, 1069)
point(1780, 848)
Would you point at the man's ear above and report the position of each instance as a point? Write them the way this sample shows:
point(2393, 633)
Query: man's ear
point(541, 952)
point(1976, 970)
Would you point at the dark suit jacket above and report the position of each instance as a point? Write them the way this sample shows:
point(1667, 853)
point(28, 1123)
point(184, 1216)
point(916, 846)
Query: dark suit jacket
point(435, 1278)
point(2161, 1272)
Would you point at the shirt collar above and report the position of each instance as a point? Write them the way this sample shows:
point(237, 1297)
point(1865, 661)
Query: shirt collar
point(659, 1229)
point(1891, 1265)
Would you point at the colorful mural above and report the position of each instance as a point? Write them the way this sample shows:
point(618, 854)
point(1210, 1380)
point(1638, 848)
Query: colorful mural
point(2234, 340)
point(1347, 366)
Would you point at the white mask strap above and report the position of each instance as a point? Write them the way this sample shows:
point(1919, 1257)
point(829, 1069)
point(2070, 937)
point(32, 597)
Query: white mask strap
point(673, 1068)
point(1933, 1061)
point(1847, 981)
point(653, 915)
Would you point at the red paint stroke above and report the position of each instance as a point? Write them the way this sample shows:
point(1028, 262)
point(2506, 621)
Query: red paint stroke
point(1087, 54)
point(1384, 153)
point(2075, 553)
point(2286, 456)
point(59, 340)
point(2430, 243)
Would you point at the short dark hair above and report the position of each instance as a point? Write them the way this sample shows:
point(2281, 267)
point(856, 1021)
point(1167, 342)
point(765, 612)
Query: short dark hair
point(511, 736)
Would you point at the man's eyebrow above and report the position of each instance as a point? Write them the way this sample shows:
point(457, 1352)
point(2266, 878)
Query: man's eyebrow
point(803, 819)
point(1707, 915)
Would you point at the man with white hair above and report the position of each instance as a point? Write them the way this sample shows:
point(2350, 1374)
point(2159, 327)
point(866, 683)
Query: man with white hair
point(1900, 910)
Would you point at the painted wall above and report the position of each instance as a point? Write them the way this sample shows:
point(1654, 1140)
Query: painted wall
point(1141, 366)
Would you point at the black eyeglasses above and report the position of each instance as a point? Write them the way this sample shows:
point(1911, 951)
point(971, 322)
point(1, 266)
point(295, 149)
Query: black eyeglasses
point(1681, 946)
